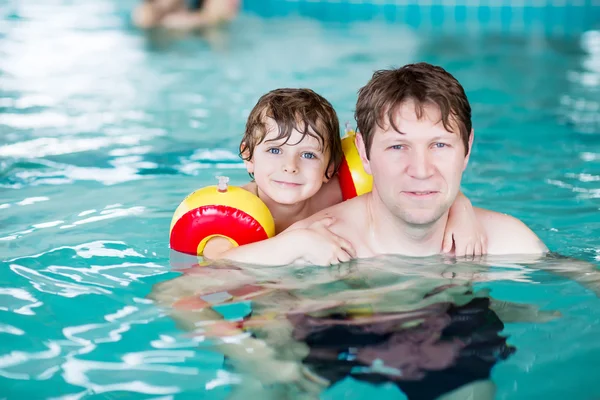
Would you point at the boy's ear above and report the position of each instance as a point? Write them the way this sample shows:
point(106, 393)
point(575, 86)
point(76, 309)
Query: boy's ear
point(360, 146)
point(329, 173)
point(245, 153)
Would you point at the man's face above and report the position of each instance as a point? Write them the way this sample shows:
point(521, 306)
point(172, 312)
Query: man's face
point(416, 173)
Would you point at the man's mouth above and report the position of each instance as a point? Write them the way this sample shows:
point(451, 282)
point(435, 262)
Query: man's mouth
point(421, 193)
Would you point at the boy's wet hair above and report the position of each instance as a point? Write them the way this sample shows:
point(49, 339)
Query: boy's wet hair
point(423, 83)
point(301, 109)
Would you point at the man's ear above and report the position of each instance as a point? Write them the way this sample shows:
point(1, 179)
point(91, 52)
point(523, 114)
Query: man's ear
point(245, 153)
point(360, 146)
point(471, 137)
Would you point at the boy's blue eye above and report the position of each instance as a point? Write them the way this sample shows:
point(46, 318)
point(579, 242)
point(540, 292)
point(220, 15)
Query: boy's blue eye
point(309, 155)
point(274, 150)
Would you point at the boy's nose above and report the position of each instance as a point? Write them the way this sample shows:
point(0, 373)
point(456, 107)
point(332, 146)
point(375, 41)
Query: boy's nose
point(290, 166)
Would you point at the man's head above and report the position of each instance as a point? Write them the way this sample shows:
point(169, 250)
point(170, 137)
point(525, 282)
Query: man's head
point(415, 137)
point(292, 144)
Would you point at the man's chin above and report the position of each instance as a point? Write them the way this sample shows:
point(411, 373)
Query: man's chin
point(420, 217)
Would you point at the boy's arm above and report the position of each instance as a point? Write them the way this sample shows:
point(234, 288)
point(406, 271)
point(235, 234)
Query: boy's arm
point(315, 244)
point(278, 250)
point(216, 247)
point(464, 232)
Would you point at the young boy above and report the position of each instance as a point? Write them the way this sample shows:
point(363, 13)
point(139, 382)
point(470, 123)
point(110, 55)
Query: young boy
point(292, 149)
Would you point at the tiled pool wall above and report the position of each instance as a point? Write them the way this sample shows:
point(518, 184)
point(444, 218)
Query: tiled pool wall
point(556, 16)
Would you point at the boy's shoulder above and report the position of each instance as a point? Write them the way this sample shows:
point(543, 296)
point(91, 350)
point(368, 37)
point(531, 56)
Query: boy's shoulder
point(251, 187)
point(329, 195)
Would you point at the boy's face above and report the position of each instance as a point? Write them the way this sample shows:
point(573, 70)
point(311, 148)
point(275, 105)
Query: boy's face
point(288, 173)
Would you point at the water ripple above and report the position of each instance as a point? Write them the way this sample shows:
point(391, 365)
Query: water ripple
point(18, 301)
point(46, 284)
point(96, 276)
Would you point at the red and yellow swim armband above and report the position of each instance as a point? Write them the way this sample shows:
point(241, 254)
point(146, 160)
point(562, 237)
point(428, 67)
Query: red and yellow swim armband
point(354, 180)
point(219, 211)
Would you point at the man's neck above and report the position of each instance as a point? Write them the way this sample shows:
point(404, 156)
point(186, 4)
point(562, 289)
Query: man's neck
point(388, 234)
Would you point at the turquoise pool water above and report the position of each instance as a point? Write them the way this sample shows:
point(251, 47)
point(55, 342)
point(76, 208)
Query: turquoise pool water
point(104, 129)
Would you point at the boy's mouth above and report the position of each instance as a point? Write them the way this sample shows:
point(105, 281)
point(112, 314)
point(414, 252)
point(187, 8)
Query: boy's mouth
point(287, 184)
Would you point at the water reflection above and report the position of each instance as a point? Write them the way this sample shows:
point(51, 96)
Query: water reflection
point(581, 105)
point(422, 325)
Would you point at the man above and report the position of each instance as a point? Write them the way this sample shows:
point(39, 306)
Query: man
point(415, 137)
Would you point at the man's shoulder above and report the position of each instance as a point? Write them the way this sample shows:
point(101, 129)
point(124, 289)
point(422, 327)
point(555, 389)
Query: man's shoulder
point(344, 213)
point(508, 235)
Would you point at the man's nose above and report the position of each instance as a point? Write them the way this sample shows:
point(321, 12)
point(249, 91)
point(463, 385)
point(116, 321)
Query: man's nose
point(420, 165)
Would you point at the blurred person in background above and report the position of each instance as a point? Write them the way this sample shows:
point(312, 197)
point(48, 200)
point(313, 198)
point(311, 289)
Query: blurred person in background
point(184, 14)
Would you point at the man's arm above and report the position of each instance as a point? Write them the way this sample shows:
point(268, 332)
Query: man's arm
point(248, 354)
point(580, 271)
point(509, 236)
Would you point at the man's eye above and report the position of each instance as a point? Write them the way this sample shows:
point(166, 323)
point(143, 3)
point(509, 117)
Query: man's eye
point(397, 147)
point(440, 145)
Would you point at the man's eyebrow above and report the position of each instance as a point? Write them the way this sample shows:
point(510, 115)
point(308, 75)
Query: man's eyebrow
point(447, 135)
point(394, 130)
point(444, 135)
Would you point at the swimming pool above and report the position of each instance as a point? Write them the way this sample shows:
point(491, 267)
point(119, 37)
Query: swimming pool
point(105, 129)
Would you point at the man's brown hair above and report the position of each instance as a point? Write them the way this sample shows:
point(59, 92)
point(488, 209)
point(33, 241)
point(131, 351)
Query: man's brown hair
point(424, 84)
point(301, 109)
